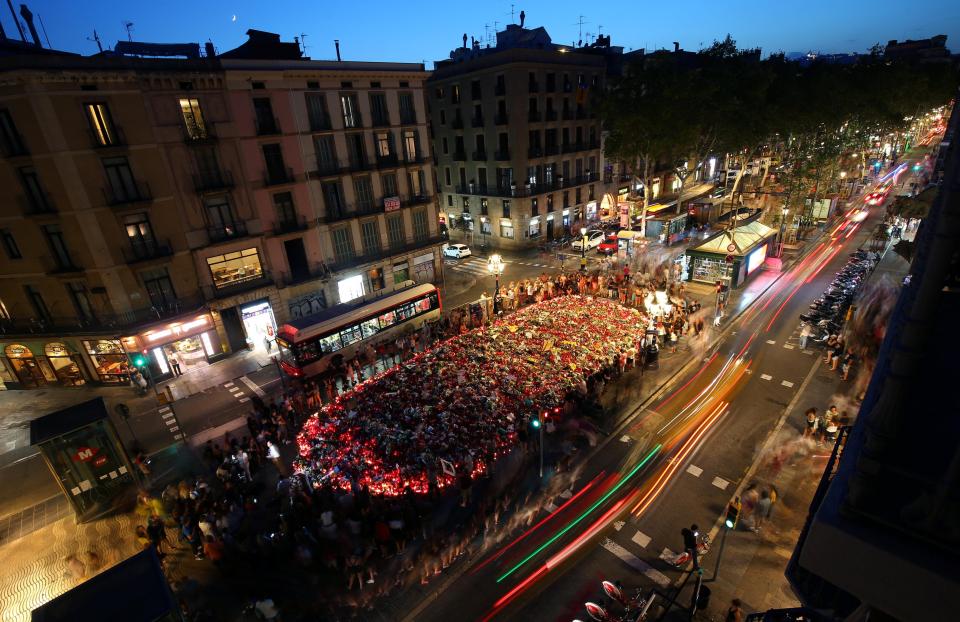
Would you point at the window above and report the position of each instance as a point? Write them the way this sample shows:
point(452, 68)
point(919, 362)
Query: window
point(411, 150)
point(506, 208)
point(443, 117)
point(449, 200)
point(286, 212)
point(208, 166)
point(120, 179)
point(273, 158)
point(101, 124)
point(534, 209)
point(551, 82)
point(445, 146)
point(395, 231)
point(10, 140)
point(10, 245)
point(455, 94)
point(408, 113)
point(475, 90)
point(219, 213)
point(342, 243)
point(159, 289)
point(378, 109)
point(263, 113)
point(420, 231)
point(438, 92)
point(384, 144)
point(351, 114)
point(506, 229)
point(484, 206)
point(317, 113)
point(466, 204)
point(388, 182)
point(326, 154)
point(375, 276)
point(549, 203)
point(370, 236)
point(415, 182)
point(37, 302)
point(237, 267)
point(350, 288)
point(401, 274)
point(81, 300)
point(446, 175)
point(58, 246)
point(193, 118)
point(36, 197)
point(356, 151)
point(333, 198)
point(364, 192)
point(140, 234)
point(501, 85)
point(566, 199)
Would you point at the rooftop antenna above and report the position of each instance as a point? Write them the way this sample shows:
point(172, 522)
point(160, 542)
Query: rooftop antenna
point(96, 38)
point(511, 14)
point(129, 26)
point(303, 42)
point(44, 29)
point(486, 33)
point(580, 22)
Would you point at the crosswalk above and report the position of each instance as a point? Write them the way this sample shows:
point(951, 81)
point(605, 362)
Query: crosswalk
point(477, 266)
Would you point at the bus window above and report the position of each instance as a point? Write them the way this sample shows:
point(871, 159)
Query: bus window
point(405, 312)
point(330, 343)
point(286, 352)
point(423, 305)
point(370, 328)
point(307, 352)
point(351, 335)
point(388, 319)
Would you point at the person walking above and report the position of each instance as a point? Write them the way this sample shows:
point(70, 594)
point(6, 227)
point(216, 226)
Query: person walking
point(764, 505)
point(734, 611)
point(690, 544)
point(804, 336)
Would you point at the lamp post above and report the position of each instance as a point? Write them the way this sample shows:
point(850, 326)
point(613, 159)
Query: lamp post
point(583, 249)
point(843, 182)
point(783, 226)
point(538, 425)
point(495, 266)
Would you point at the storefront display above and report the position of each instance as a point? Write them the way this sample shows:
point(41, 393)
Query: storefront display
point(109, 360)
point(177, 347)
point(260, 325)
point(63, 364)
point(534, 227)
point(25, 366)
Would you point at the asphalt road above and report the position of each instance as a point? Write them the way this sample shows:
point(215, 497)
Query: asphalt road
point(676, 463)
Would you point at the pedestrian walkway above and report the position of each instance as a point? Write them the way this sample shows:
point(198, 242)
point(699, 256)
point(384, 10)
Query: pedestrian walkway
point(477, 266)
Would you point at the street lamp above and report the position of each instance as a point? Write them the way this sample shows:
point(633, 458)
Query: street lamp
point(583, 249)
point(843, 182)
point(783, 226)
point(537, 424)
point(495, 266)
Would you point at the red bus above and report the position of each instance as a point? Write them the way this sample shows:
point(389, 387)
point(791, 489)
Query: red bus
point(308, 344)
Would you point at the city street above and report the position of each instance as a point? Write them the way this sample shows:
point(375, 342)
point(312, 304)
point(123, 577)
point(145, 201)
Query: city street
point(691, 446)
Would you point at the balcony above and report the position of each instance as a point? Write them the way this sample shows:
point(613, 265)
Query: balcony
point(358, 163)
point(61, 267)
point(320, 123)
point(307, 273)
point(476, 121)
point(535, 152)
point(37, 204)
point(145, 251)
point(117, 138)
point(533, 116)
point(348, 212)
point(460, 156)
point(328, 168)
point(227, 232)
point(267, 126)
point(356, 259)
point(289, 225)
point(196, 134)
point(550, 115)
point(389, 160)
point(129, 194)
point(214, 181)
point(480, 156)
point(502, 155)
point(500, 118)
point(500, 90)
point(231, 288)
point(416, 199)
point(278, 176)
point(457, 123)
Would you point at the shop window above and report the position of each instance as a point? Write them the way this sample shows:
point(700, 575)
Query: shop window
point(231, 268)
point(376, 279)
point(506, 229)
point(63, 364)
point(109, 360)
point(401, 273)
point(350, 288)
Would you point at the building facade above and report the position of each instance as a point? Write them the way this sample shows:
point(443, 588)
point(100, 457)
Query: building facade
point(182, 208)
point(517, 137)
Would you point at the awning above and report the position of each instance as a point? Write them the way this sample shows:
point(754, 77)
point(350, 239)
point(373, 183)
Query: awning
point(743, 238)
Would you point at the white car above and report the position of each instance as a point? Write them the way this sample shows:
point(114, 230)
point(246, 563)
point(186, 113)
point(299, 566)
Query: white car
point(457, 251)
point(594, 238)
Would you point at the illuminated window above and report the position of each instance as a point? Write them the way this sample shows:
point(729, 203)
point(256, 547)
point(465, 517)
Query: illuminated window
point(104, 133)
point(350, 288)
point(236, 267)
point(193, 118)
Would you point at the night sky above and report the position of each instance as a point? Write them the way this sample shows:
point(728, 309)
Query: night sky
point(416, 30)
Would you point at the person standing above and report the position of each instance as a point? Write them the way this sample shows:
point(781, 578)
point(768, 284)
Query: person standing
point(804, 336)
point(175, 363)
point(764, 505)
point(735, 611)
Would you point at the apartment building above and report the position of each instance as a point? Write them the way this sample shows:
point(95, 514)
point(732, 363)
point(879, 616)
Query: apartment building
point(184, 206)
point(517, 138)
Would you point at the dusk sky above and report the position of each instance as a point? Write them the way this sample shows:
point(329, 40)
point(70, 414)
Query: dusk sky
point(426, 31)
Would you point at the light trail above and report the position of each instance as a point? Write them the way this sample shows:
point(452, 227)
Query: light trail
point(797, 288)
point(817, 271)
point(705, 390)
point(852, 231)
point(675, 393)
point(553, 514)
point(586, 513)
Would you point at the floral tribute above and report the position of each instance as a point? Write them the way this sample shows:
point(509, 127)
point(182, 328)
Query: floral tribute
point(461, 402)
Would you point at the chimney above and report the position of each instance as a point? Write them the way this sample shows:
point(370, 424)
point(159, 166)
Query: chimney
point(28, 17)
point(336, 44)
point(676, 46)
point(208, 48)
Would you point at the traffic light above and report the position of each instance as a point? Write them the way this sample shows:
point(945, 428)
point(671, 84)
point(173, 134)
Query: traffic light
point(140, 361)
point(535, 423)
point(733, 513)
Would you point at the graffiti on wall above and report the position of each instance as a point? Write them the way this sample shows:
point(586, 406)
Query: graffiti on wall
point(308, 304)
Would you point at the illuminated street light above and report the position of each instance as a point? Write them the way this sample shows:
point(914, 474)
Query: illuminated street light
point(495, 266)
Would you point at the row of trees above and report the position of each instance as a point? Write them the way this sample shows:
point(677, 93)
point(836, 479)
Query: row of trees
point(670, 109)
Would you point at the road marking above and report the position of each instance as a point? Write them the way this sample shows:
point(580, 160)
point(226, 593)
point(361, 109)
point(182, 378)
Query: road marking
point(625, 439)
point(636, 563)
point(234, 390)
point(618, 525)
point(175, 428)
point(246, 399)
point(808, 352)
point(167, 415)
point(771, 342)
point(228, 384)
point(788, 346)
point(667, 555)
point(787, 384)
point(720, 483)
point(550, 508)
point(766, 377)
point(694, 470)
point(178, 436)
point(253, 386)
point(566, 494)
point(641, 539)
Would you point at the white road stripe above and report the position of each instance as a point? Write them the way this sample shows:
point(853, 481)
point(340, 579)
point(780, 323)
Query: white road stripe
point(720, 483)
point(253, 386)
point(636, 563)
point(787, 384)
point(618, 525)
point(771, 341)
point(178, 436)
point(228, 384)
point(167, 415)
point(641, 539)
point(234, 389)
point(766, 377)
point(694, 470)
point(625, 439)
point(175, 428)
point(788, 346)
point(246, 399)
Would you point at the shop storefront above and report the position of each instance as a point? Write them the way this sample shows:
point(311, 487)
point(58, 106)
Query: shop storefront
point(533, 228)
point(591, 210)
point(37, 364)
point(108, 359)
point(260, 325)
point(731, 257)
point(186, 345)
point(65, 364)
point(25, 366)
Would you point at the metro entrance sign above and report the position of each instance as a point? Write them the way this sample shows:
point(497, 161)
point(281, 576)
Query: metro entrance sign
point(731, 248)
point(85, 454)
